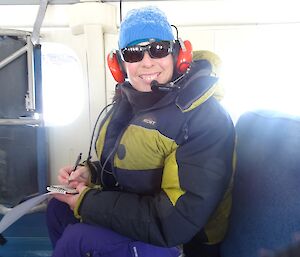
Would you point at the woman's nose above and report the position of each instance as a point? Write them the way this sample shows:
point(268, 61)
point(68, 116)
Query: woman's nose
point(147, 60)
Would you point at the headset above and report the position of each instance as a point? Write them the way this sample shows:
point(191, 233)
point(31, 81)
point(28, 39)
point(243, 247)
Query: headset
point(182, 53)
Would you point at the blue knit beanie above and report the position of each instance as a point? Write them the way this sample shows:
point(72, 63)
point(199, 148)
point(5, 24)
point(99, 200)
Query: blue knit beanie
point(143, 24)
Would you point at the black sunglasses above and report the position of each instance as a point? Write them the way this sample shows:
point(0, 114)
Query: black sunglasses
point(155, 50)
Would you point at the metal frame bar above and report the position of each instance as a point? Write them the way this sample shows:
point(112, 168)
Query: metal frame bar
point(33, 122)
point(31, 40)
point(35, 2)
point(28, 48)
point(30, 96)
point(14, 32)
point(65, 2)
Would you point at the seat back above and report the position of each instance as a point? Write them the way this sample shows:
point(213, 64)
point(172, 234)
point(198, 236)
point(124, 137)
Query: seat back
point(266, 195)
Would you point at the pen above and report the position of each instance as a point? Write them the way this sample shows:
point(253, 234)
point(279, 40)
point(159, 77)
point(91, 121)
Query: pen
point(75, 166)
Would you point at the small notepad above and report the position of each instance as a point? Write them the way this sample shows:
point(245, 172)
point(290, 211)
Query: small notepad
point(61, 189)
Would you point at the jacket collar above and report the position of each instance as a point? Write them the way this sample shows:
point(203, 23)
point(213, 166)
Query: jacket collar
point(193, 89)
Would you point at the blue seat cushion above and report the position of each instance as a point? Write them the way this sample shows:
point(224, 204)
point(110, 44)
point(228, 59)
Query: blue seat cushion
point(266, 196)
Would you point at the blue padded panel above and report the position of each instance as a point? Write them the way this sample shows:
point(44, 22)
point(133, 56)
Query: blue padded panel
point(27, 237)
point(13, 79)
point(18, 163)
point(266, 196)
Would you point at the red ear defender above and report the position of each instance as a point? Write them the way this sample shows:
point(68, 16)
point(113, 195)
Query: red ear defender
point(115, 67)
point(185, 56)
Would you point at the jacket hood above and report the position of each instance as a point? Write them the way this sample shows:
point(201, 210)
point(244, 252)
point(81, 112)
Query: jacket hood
point(196, 86)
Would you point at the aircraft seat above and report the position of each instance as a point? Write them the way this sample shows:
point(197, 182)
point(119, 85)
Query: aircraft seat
point(266, 195)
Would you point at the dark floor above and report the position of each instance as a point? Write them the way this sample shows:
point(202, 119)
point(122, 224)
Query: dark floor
point(27, 237)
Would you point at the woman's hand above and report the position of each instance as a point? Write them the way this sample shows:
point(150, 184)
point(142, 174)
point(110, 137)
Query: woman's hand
point(66, 176)
point(71, 199)
point(78, 179)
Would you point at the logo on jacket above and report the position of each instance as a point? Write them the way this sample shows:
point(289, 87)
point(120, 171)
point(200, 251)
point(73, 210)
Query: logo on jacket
point(149, 121)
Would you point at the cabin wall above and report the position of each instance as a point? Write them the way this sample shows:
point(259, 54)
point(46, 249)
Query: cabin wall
point(90, 30)
point(65, 142)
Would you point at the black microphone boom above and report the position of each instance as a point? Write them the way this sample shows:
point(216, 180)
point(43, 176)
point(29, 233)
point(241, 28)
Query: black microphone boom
point(168, 87)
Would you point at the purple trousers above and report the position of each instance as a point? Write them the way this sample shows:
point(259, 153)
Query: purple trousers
point(69, 238)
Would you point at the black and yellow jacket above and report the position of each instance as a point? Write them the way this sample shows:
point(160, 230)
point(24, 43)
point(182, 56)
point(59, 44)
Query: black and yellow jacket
point(164, 170)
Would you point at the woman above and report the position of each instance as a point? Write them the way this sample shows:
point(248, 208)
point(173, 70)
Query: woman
point(165, 156)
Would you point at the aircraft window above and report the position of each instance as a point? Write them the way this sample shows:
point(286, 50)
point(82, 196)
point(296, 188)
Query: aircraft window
point(260, 70)
point(62, 85)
